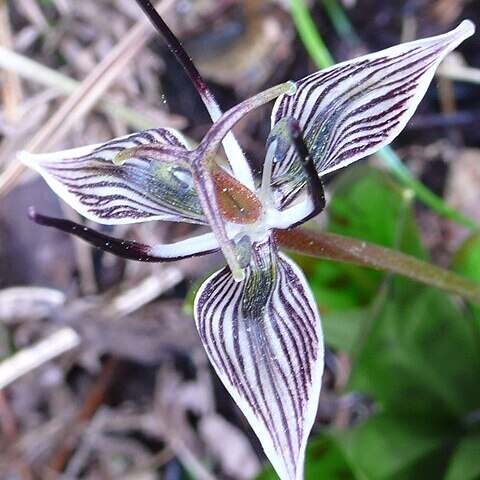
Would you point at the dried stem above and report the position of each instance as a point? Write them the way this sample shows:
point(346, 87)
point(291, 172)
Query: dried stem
point(11, 85)
point(349, 250)
point(30, 358)
point(29, 69)
point(80, 102)
point(95, 397)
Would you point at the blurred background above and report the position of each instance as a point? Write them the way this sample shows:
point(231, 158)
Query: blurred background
point(103, 375)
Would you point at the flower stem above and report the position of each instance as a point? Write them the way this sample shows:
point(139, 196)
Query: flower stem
point(310, 36)
point(349, 250)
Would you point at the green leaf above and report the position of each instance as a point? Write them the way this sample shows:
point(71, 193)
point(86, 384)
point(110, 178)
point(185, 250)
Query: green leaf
point(465, 464)
point(339, 287)
point(420, 362)
point(466, 261)
point(324, 460)
point(342, 328)
point(368, 205)
point(389, 447)
point(422, 347)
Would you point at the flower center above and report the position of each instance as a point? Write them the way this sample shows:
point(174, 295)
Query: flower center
point(237, 203)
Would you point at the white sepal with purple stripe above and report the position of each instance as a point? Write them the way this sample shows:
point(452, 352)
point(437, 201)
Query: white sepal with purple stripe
point(136, 178)
point(264, 339)
point(354, 108)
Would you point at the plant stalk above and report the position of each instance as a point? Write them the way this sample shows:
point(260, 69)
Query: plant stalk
point(339, 248)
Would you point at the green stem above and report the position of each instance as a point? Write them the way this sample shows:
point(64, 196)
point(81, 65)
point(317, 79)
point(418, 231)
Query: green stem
point(310, 36)
point(320, 54)
point(422, 193)
point(340, 21)
point(350, 250)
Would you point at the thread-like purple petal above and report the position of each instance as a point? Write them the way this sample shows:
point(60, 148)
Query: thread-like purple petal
point(354, 108)
point(130, 249)
point(264, 339)
point(152, 182)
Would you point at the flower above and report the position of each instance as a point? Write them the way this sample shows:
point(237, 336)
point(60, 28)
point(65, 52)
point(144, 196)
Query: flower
point(256, 317)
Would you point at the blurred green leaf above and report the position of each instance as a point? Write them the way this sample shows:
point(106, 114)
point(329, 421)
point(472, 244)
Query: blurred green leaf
point(465, 464)
point(390, 447)
point(342, 328)
point(421, 346)
point(324, 460)
point(368, 205)
point(421, 363)
point(466, 261)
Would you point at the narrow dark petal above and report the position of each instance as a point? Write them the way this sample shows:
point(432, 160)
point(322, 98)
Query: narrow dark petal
point(263, 337)
point(352, 109)
point(306, 160)
point(176, 48)
point(238, 162)
point(128, 249)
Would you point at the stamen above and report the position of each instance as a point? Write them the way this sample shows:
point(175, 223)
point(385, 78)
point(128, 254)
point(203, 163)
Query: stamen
point(285, 134)
point(281, 133)
point(243, 245)
point(120, 158)
point(293, 88)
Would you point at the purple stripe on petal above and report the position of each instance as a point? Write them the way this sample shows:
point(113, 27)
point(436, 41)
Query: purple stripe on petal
point(264, 339)
point(377, 94)
point(151, 181)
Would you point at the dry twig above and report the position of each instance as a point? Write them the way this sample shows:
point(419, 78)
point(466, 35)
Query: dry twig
point(11, 86)
point(32, 357)
point(89, 92)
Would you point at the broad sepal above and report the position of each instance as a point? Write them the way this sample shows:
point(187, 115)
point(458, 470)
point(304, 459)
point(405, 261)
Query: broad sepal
point(264, 339)
point(352, 109)
point(136, 178)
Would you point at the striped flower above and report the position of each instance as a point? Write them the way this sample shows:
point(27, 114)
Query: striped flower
point(256, 317)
